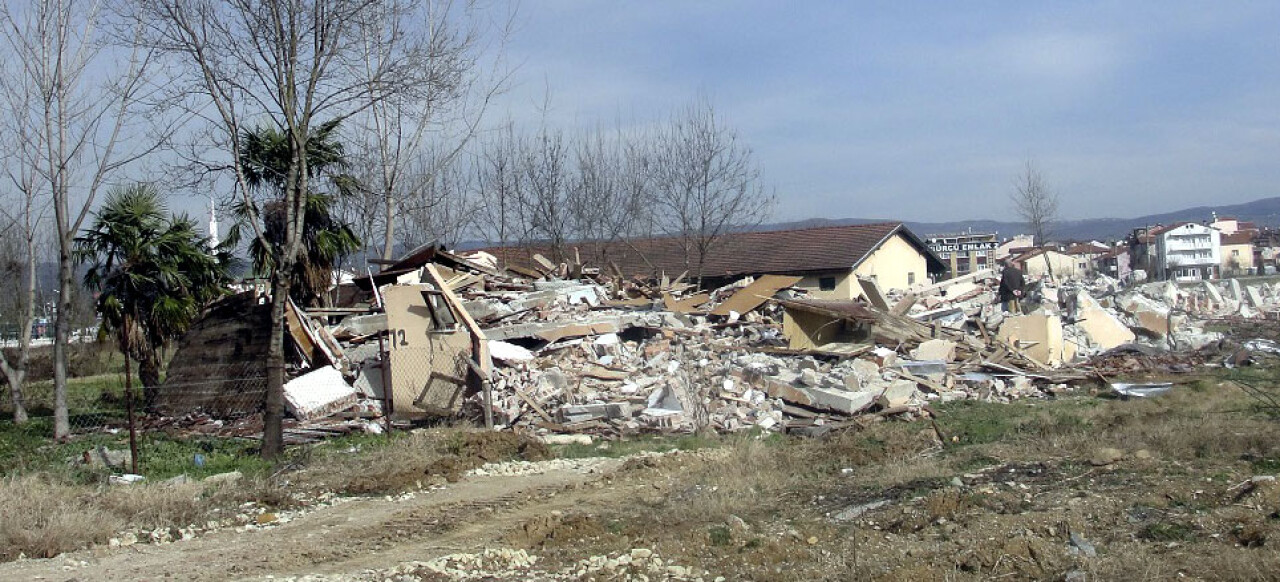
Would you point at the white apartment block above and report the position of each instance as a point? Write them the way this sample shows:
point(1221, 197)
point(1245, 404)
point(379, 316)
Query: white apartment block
point(1187, 252)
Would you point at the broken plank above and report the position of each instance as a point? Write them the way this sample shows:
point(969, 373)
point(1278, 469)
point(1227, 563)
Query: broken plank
point(755, 294)
point(872, 291)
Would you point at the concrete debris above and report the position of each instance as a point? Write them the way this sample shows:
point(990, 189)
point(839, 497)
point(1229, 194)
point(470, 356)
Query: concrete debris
point(566, 349)
point(318, 394)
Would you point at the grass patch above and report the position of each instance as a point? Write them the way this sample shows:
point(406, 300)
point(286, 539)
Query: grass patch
point(1167, 532)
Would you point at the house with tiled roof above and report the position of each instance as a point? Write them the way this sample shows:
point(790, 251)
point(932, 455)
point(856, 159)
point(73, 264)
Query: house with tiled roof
point(1114, 263)
point(1237, 253)
point(828, 259)
point(1049, 261)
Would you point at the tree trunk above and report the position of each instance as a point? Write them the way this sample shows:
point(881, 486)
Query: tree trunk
point(273, 405)
point(15, 377)
point(388, 233)
point(61, 339)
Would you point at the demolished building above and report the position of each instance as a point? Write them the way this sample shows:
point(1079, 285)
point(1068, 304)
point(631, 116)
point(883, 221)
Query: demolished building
point(446, 335)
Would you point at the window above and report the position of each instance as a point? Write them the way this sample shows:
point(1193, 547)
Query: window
point(442, 318)
point(827, 283)
point(911, 278)
point(1235, 252)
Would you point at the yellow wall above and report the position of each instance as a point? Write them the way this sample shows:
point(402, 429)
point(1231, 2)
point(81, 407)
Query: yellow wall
point(891, 264)
point(846, 286)
point(1064, 266)
point(805, 330)
point(1243, 261)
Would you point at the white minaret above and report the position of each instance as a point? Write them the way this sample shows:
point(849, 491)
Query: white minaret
point(213, 224)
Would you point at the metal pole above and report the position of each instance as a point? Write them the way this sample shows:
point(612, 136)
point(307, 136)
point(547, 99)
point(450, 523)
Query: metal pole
point(128, 399)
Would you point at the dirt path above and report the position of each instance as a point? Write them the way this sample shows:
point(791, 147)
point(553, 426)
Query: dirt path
point(345, 538)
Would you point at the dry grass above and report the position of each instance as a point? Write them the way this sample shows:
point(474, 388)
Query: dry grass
point(414, 460)
point(40, 517)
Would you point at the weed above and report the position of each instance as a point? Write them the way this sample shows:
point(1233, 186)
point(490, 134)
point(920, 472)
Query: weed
point(1166, 532)
point(720, 535)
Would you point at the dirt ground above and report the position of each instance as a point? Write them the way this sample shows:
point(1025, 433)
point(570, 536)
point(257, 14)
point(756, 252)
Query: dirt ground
point(350, 537)
point(1179, 487)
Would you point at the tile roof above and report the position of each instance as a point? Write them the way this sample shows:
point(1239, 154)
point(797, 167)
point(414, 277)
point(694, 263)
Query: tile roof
point(830, 248)
point(1238, 238)
point(1087, 248)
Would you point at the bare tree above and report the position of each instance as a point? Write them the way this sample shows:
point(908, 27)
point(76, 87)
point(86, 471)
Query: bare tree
point(498, 182)
point(20, 250)
point(433, 121)
point(545, 189)
point(1034, 201)
point(442, 210)
point(706, 183)
point(610, 192)
point(76, 100)
point(294, 65)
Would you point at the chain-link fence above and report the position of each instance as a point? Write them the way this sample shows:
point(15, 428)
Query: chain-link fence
point(204, 421)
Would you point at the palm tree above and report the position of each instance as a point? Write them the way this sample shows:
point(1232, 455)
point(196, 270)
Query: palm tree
point(154, 274)
point(266, 155)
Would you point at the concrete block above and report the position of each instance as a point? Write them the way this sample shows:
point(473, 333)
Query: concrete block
point(1104, 329)
point(884, 357)
point(1212, 291)
point(1255, 298)
point(1039, 337)
point(1236, 293)
point(365, 324)
point(897, 393)
point(1154, 322)
point(935, 349)
point(583, 412)
point(508, 352)
point(840, 400)
point(318, 393)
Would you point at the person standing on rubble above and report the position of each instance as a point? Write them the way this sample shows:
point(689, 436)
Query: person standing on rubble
point(1011, 287)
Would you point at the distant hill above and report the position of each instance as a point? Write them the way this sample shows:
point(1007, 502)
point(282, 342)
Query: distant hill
point(1264, 212)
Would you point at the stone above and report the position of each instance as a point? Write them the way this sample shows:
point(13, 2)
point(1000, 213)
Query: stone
point(220, 478)
point(810, 377)
point(1106, 456)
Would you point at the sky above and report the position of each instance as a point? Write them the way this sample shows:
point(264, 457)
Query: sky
point(928, 111)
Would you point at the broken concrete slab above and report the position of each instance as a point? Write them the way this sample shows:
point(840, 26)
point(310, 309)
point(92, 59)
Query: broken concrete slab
point(755, 294)
point(1102, 328)
point(1255, 298)
point(935, 349)
point(1212, 291)
point(833, 400)
point(1153, 323)
point(1039, 337)
point(365, 324)
point(897, 393)
point(585, 412)
point(509, 352)
point(872, 292)
point(318, 394)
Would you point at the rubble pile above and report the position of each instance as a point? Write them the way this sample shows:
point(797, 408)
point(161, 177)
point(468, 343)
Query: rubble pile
point(563, 349)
